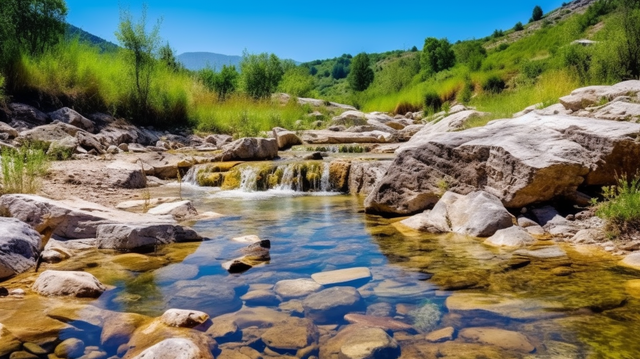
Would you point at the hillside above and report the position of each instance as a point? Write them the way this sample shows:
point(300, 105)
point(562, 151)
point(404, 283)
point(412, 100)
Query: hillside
point(199, 60)
point(76, 32)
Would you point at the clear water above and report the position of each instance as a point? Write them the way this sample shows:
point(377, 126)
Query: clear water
point(582, 310)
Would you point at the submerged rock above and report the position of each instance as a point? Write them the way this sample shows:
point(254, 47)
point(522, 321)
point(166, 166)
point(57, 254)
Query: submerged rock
point(342, 276)
point(175, 348)
point(504, 339)
point(296, 288)
point(330, 305)
point(291, 335)
point(426, 318)
point(385, 323)
point(513, 236)
point(369, 343)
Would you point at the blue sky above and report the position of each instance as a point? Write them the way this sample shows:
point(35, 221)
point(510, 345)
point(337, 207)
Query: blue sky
point(306, 31)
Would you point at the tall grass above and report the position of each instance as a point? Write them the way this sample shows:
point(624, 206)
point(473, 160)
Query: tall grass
point(621, 209)
point(22, 169)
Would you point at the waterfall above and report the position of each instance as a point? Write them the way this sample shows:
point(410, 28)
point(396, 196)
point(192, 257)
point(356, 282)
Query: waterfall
point(324, 181)
point(190, 176)
point(248, 179)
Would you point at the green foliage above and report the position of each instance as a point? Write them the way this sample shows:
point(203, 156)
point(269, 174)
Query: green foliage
point(432, 102)
point(437, 55)
point(464, 96)
point(621, 209)
point(532, 69)
point(518, 26)
point(497, 34)
point(536, 14)
point(223, 83)
point(595, 12)
point(297, 82)
point(22, 169)
point(168, 58)
point(577, 59)
point(338, 71)
point(260, 74)
point(361, 75)
point(140, 50)
point(2, 100)
point(494, 84)
point(503, 46)
point(471, 53)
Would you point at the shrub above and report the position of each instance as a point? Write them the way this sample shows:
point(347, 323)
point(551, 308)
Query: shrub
point(503, 46)
point(432, 102)
point(22, 169)
point(494, 84)
point(533, 69)
point(518, 26)
point(464, 96)
point(437, 55)
point(497, 33)
point(621, 209)
point(537, 14)
point(261, 74)
point(404, 107)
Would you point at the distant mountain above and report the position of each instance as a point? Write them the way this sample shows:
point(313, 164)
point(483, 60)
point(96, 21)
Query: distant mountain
point(104, 45)
point(199, 60)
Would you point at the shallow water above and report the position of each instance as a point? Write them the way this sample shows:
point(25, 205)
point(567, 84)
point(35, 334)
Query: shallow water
point(572, 306)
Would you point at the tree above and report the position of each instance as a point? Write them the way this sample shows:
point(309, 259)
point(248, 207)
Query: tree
point(518, 26)
point(297, 81)
point(361, 75)
point(140, 48)
point(338, 71)
point(437, 55)
point(470, 52)
point(168, 58)
point(537, 14)
point(629, 48)
point(261, 74)
point(226, 81)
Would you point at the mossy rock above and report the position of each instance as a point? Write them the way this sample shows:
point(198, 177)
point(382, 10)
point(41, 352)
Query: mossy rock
point(210, 179)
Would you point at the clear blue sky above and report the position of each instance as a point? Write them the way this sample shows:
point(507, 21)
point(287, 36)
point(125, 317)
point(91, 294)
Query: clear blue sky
point(307, 30)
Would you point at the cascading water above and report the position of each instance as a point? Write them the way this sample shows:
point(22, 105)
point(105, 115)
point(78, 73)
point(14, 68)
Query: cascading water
point(190, 176)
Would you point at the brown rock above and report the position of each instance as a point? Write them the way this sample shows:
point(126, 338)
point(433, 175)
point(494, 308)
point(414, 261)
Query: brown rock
point(499, 337)
point(385, 323)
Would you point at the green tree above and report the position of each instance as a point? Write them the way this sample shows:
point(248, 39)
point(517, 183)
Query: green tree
point(628, 49)
point(361, 75)
point(260, 74)
point(168, 58)
point(471, 53)
point(226, 81)
point(536, 14)
point(518, 26)
point(437, 55)
point(297, 82)
point(140, 47)
point(338, 71)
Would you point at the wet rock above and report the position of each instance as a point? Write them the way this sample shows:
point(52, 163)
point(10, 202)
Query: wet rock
point(330, 305)
point(22, 355)
point(71, 117)
point(348, 276)
point(25, 116)
point(131, 236)
point(293, 307)
point(440, 335)
point(339, 175)
point(184, 318)
point(499, 337)
point(363, 175)
point(476, 304)
point(291, 335)
point(521, 161)
point(285, 139)
point(8, 342)
point(68, 283)
point(212, 298)
point(70, 348)
point(386, 323)
point(180, 210)
point(369, 343)
point(631, 261)
point(513, 237)
point(296, 288)
point(544, 253)
point(19, 246)
point(381, 309)
point(426, 317)
point(224, 330)
point(260, 317)
point(261, 297)
point(34, 348)
point(250, 149)
point(117, 329)
point(175, 348)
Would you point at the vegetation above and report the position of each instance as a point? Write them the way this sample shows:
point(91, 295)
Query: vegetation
point(361, 75)
point(621, 208)
point(437, 55)
point(537, 14)
point(22, 169)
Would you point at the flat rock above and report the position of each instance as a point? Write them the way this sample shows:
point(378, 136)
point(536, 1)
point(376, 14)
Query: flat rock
point(70, 348)
point(285, 139)
point(180, 210)
point(386, 323)
point(631, 261)
point(514, 237)
point(19, 247)
point(342, 276)
point(68, 283)
point(184, 318)
point(260, 317)
point(261, 297)
point(369, 343)
point(331, 305)
point(250, 149)
point(476, 304)
point(505, 339)
point(291, 335)
point(440, 335)
point(544, 253)
point(333, 137)
point(296, 288)
point(175, 348)
point(224, 330)
point(130, 236)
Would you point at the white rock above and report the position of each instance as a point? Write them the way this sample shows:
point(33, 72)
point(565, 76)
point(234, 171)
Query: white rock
point(68, 283)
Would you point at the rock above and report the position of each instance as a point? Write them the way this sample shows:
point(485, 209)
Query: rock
point(213, 298)
point(261, 298)
point(8, 342)
point(48, 133)
point(478, 214)
point(130, 236)
point(587, 96)
point(513, 236)
point(179, 210)
point(25, 116)
point(631, 261)
point(34, 348)
point(476, 304)
point(499, 337)
point(589, 236)
point(252, 238)
point(349, 118)
point(632, 288)
point(124, 175)
point(161, 165)
point(544, 253)
point(89, 142)
point(224, 330)
point(291, 335)
point(114, 150)
point(361, 275)
point(22, 355)
point(440, 335)
point(521, 161)
point(296, 288)
point(369, 343)
point(285, 139)
point(184, 318)
point(381, 309)
point(453, 122)
point(70, 348)
point(10, 131)
point(332, 137)
point(250, 149)
point(71, 117)
point(118, 328)
point(218, 140)
point(363, 175)
point(62, 149)
point(68, 283)
point(330, 305)
point(339, 175)
point(386, 323)
point(19, 247)
point(115, 133)
point(175, 348)
point(618, 111)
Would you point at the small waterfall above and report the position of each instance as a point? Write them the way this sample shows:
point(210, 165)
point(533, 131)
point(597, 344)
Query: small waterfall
point(290, 178)
point(248, 179)
point(324, 181)
point(190, 176)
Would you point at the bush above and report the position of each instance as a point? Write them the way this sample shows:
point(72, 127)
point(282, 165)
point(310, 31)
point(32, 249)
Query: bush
point(518, 26)
point(432, 102)
point(22, 169)
point(405, 107)
point(464, 96)
point(260, 74)
point(533, 69)
point(497, 34)
point(494, 84)
point(537, 14)
point(503, 46)
point(621, 209)
point(437, 55)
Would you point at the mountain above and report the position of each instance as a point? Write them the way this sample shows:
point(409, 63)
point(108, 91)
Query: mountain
point(104, 45)
point(199, 60)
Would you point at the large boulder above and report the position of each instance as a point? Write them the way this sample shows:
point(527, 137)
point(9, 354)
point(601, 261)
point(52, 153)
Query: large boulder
point(587, 96)
point(124, 236)
point(285, 138)
point(363, 175)
point(19, 245)
point(522, 161)
point(68, 283)
point(49, 133)
point(478, 214)
point(250, 149)
point(67, 115)
point(333, 137)
point(25, 116)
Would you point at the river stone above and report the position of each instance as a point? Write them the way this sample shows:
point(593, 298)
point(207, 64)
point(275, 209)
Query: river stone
point(521, 161)
point(381, 309)
point(22, 355)
point(369, 343)
point(250, 149)
point(343, 276)
point(499, 337)
point(69, 116)
point(260, 317)
point(330, 305)
point(184, 318)
point(631, 261)
point(260, 297)
point(285, 138)
point(291, 335)
point(296, 288)
point(8, 342)
point(293, 307)
point(385, 323)
point(544, 253)
point(513, 236)
point(34, 348)
point(131, 236)
point(175, 348)
point(118, 328)
point(70, 348)
point(363, 175)
point(224, 330)
point(68, 283)
point(212, 298)
point(477, 304)
point(19, 247)
point(440, 335)
point(179, 210)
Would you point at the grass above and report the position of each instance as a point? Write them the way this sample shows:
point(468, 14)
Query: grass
point(22, 169)
point(621, 208)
